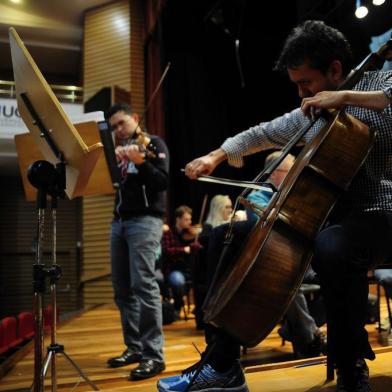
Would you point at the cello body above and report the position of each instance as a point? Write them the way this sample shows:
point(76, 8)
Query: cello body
point(250, 299)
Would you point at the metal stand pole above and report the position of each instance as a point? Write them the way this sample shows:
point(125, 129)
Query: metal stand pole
point(55, 348)
point(48, 181)
point(39, 289)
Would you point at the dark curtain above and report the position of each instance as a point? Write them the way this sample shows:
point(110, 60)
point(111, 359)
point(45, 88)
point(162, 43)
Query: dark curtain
point(155, 119)
point(204, 101)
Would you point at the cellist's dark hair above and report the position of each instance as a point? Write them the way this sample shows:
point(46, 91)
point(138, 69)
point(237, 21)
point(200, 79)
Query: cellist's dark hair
point(119, 107)
point(316, 44)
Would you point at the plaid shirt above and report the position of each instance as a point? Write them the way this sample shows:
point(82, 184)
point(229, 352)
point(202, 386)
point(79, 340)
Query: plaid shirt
point(371, 188)
point(174, 256)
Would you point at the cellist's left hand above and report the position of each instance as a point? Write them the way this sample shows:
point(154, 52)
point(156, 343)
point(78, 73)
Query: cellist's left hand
point(324, 100)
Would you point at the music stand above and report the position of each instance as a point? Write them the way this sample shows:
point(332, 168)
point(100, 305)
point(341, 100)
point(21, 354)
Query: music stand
point(66, 170)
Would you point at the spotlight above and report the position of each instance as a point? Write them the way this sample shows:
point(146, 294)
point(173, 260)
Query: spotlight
point(361, 10)
point(378, 2)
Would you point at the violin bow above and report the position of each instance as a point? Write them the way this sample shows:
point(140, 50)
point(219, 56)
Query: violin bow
point(150, 101)
point(264, 186)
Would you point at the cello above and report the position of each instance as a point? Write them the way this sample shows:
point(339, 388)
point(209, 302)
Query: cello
point(278, 250)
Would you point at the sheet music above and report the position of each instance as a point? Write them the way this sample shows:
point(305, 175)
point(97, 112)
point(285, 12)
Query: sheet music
point(97, 116)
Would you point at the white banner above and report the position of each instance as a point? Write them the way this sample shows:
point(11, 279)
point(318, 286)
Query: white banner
point(11, 123)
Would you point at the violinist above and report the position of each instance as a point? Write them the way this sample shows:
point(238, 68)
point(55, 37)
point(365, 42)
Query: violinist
point(177, 245)
point(136, 232)
point(317, 58)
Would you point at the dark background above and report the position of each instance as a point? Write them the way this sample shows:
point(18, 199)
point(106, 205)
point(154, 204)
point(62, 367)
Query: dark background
point(204, 98)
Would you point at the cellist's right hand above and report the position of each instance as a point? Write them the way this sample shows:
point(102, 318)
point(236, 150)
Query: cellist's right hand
point(205, 165)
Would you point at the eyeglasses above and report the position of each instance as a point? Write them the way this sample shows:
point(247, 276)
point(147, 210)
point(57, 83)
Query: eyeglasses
point(119, 123)
point(229, 206)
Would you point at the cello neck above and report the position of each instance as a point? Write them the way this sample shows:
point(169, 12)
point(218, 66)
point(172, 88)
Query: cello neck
point(372, 62)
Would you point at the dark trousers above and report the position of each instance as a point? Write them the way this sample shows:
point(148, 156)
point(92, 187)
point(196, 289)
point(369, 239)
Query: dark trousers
point(227, 348)
point(343, 254)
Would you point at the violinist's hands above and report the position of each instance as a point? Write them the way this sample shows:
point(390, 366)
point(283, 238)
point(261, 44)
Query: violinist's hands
point(131, 153)
point(195, 246)
point(323, 100)
point(205, 165)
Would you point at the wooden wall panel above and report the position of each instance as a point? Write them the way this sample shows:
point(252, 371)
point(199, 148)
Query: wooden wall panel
point(106, 48)
point(137, 56)
point(113, 56)
point(97, 216)
point(18, 233)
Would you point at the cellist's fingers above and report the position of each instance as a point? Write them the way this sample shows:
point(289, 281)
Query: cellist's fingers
point(324, 100)
point(197, 167)
point(307, 107)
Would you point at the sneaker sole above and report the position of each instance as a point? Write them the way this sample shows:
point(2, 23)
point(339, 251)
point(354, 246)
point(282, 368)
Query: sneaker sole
point(241, 388)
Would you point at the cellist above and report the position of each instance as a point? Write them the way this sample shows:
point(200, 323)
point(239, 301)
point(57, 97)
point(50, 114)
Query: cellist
point(317, 58)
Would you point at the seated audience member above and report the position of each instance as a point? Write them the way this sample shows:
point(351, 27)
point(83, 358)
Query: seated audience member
point(299, 326)
point(176, 251)
point(219, 213)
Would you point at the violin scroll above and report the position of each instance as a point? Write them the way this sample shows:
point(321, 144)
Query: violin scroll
point(144, 142)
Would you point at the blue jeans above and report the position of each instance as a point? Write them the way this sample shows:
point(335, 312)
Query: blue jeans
point(177, 282)
point(133, 251)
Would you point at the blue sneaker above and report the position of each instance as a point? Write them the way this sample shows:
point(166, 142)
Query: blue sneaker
point(207, 380)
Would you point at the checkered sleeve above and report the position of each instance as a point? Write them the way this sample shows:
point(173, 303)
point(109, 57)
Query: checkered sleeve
point(275, 133)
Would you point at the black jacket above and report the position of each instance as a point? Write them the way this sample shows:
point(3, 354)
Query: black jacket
point(144, 190)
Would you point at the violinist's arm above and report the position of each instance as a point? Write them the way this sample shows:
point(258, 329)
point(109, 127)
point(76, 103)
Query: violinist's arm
point(206, 164)
point(374, 100)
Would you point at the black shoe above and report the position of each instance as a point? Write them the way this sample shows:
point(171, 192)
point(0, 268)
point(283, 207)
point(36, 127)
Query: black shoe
point(354, 378)
point(126, 358)
point(146, 369)
point(317, 347)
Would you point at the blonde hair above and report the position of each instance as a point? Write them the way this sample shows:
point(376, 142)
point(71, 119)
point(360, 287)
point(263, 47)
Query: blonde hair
point(217, 206)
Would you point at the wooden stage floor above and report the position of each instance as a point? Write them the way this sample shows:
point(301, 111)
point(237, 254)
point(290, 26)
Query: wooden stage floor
point(94, 336)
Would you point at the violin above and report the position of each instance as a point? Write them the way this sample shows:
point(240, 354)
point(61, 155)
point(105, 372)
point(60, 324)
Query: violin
point(191, 234)
point(140, 139)
point(143, 140)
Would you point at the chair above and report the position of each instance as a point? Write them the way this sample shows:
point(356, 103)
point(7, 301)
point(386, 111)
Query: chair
point(186, 308)
point(372, 279)
point(9, 338)
point(25, 325)
point(3, 345)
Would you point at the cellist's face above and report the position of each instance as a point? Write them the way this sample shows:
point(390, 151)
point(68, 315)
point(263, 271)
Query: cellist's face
point(311, 81)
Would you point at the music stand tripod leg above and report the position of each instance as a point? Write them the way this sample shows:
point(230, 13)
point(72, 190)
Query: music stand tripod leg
point(55, 348)
point(38, 175)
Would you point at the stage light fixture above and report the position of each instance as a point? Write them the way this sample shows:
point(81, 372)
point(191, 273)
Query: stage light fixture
point(361, 10)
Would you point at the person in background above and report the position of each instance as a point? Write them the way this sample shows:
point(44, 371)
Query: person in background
point(135, 236)
point(219, 213)
point(299, 326)
point(176, 253)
